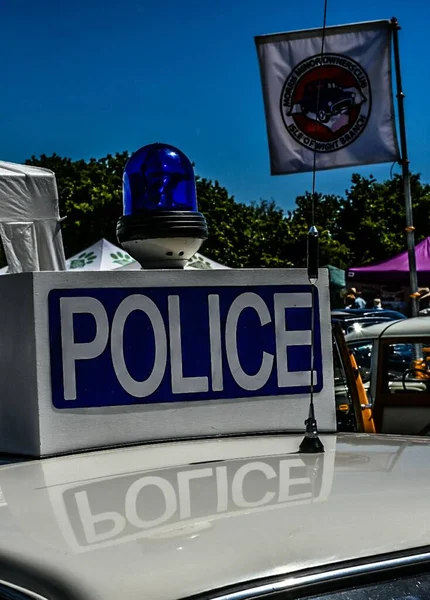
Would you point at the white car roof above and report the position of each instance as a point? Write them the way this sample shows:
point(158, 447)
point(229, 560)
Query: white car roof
point(415, 327)
point(169, 520)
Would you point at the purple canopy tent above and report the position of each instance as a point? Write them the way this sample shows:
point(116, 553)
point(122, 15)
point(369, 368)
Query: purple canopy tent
point(396, 269)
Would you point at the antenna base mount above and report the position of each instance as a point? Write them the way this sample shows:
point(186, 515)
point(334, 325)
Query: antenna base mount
point(311, 443)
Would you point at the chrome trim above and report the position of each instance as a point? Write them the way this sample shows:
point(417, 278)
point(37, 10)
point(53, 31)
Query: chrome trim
point(294, 581)
point(21, 590)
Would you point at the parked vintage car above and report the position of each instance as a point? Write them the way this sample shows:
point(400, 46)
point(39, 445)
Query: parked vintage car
point(394, 363)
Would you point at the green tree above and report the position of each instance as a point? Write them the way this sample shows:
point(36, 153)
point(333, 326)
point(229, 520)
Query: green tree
point(324, 212)
point(242, 235)
point(371, 219)
point(364, 226)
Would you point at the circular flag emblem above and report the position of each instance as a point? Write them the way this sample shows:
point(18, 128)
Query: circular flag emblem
point(326, 102)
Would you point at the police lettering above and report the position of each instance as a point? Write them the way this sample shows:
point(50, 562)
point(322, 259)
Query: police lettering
point(168, 337)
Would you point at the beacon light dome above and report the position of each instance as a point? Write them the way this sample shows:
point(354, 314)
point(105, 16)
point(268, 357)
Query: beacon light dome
point(161, 226)
point(159, 177)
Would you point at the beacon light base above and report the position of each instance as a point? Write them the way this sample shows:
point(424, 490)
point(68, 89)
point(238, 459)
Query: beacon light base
point(163, 253)
point(162, 239)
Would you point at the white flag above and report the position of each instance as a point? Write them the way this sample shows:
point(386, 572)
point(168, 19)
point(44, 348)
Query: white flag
point(337, 106)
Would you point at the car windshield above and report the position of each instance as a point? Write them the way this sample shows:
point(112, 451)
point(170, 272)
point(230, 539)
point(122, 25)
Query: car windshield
point(353, 321)
point(408, 588)
point(356, 325)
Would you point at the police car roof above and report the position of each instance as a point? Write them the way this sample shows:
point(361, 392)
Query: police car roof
point(170, 520)
point(415, 327)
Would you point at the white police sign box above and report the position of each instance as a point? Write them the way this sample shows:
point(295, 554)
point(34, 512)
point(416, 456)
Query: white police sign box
point(97, 359)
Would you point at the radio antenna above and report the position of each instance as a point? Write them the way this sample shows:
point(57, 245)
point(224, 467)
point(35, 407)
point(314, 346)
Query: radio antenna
point(311, 443)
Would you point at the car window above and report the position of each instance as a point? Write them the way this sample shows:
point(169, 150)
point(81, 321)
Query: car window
point(406, 367)
point(339, 375)
point(10, 592)
point(363, 356)
point(344, 411)
point(409, 588)
point(371, 585)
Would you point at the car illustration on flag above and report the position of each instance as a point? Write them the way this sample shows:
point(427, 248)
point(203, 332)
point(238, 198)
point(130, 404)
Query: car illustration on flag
point(326, 99)
point(327, 102)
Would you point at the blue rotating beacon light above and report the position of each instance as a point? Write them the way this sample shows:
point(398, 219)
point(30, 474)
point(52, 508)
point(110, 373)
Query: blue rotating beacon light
point(161, 226)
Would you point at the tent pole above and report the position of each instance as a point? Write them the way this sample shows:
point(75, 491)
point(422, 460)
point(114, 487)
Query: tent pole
point(404, 161)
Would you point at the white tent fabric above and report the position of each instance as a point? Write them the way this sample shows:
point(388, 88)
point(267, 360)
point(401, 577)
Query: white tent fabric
point(101, 256)
point(29, 219)
point(198, 261)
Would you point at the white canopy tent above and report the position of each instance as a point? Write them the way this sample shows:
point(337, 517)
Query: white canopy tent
point(101, 256)
point(30, 219)
point(104, 256)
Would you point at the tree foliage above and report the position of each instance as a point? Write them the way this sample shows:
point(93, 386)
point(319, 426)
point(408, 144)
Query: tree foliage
point(372, 217)
point(365, 225)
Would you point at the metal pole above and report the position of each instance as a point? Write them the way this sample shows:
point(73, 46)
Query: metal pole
point(404, 161)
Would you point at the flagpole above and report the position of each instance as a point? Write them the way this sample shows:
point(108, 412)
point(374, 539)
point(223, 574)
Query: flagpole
point(404, 161)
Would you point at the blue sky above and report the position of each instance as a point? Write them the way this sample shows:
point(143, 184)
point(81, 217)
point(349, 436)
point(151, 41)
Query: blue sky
point(84, 79)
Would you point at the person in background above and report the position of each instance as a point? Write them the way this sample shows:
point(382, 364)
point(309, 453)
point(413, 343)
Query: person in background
point(377, 304)
point(349, 301)
point(358, 302)
point(424, 302)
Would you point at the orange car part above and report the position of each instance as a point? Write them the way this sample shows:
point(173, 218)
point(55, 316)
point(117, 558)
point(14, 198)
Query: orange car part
point(369, 425)
point(420, 370)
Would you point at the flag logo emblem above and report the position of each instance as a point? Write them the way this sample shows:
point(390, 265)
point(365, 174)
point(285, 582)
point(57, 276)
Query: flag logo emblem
point(326, 102)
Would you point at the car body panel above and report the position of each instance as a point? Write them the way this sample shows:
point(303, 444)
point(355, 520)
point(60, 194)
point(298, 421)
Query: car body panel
point(416, 327)
point(355, 320)
point(171, 520)
point(343, 313)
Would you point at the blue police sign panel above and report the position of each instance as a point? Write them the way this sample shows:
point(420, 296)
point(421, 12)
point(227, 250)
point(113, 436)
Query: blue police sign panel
point(113, 346)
